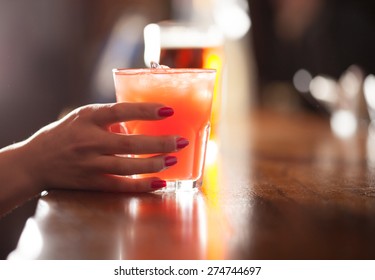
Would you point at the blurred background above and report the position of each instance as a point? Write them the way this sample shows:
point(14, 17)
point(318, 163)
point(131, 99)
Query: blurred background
point(319, 37)
point(57, 55)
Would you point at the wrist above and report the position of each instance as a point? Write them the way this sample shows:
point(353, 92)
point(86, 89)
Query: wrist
point(16, 175)
point(28, 170)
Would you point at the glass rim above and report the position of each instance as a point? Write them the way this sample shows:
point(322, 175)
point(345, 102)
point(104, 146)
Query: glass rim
point(161, 71)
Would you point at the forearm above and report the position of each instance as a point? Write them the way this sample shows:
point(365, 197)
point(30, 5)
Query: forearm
point(16, 179)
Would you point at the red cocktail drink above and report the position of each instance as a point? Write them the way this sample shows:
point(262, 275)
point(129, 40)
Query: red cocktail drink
point(189, 92)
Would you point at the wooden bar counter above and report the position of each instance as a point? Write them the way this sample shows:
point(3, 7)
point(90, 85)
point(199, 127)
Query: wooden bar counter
point(282, 186)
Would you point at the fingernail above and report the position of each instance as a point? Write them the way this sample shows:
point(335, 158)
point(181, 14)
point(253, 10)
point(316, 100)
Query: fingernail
point(170, 160)
point(165, 112)
point(181, 143)
point(158, 184)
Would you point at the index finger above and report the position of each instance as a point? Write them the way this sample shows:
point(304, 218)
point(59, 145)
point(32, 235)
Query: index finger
point(123, 111)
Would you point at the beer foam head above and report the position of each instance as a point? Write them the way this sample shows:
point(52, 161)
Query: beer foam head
point(181, 36)
point(177, 35)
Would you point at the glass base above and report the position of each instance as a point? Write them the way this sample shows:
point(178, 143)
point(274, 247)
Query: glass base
point(182, 186)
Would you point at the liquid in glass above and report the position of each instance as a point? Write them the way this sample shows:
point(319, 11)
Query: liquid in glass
point(189, 92)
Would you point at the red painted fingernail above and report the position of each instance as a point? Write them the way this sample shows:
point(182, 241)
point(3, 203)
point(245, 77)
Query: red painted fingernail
point(181, 143)
point(158, 184)
point(165, 112)
point(170, 160)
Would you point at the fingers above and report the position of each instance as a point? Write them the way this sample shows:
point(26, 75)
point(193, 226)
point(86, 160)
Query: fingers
point(107, 170)
point(141, 144)
point(114, 166)
point(111, 183)
point(121, 112)
point(124, 166)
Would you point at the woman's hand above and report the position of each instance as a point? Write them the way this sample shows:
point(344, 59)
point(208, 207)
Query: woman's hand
point(81, 151)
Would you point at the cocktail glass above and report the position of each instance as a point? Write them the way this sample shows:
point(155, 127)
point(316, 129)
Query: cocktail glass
point(189, 92)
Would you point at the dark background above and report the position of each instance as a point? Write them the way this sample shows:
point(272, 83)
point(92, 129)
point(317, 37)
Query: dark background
point(324, 37)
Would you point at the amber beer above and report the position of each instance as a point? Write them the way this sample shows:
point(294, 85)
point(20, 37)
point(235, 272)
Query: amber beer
point(186, 57)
